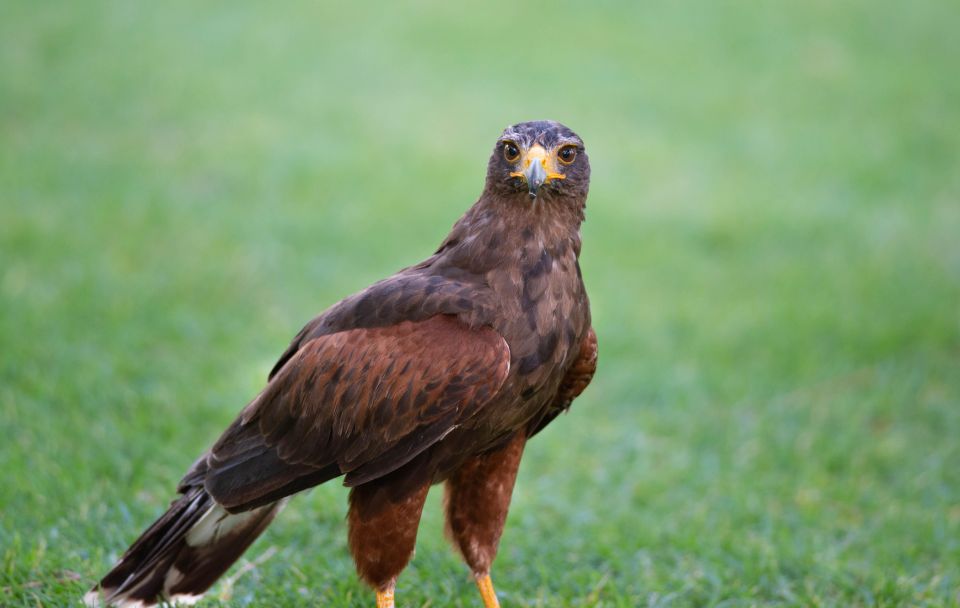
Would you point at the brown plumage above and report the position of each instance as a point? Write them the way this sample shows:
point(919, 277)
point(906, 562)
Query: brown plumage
point(441, 372)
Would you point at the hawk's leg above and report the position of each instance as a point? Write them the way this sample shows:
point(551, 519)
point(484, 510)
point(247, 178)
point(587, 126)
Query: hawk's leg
point(383, 520)
point(477, 499)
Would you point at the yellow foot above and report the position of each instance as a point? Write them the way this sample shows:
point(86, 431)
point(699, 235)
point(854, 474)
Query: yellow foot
point(385, 598)
point(485, 585)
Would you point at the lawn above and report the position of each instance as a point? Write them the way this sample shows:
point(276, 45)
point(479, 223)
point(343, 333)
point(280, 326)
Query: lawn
point(772, 249)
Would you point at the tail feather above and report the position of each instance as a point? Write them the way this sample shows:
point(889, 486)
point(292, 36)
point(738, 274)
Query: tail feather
point(182, 554)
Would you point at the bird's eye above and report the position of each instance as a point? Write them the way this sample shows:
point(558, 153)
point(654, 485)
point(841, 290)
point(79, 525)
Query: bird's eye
point(510, 151)
point(567, 154)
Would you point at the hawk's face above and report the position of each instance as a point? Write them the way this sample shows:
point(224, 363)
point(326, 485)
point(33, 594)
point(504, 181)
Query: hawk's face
point(540, 158)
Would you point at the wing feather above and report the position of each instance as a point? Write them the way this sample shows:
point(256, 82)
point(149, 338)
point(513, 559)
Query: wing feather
point(574, 382)
point(365, 400)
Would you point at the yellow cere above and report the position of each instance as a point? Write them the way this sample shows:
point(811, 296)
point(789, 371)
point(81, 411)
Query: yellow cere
point(549, 162)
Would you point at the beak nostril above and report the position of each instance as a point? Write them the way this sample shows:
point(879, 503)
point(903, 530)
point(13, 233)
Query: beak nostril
point(535, 176)
point(536, 169)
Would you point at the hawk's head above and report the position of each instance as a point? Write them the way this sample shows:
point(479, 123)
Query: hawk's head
point(539, 158)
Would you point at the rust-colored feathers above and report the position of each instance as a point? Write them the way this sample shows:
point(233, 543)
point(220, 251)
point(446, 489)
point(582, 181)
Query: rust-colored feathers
point(365, 400)
point(440, 372)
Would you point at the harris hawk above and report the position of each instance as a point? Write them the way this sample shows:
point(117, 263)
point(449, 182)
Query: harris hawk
point(439, 373)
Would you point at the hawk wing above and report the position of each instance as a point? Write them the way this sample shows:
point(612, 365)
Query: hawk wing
point(360, 402)
point(574, 382)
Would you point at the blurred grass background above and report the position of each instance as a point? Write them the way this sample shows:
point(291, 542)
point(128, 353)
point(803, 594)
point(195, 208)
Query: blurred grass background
point(772, 250)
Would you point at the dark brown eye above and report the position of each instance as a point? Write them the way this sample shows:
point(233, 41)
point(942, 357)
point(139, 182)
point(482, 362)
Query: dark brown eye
point(567, 154)
point(510, 151)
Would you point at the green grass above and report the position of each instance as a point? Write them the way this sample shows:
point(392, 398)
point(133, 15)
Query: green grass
point(772, 251)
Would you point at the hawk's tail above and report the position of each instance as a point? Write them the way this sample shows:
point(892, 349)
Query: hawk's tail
point(182, 554)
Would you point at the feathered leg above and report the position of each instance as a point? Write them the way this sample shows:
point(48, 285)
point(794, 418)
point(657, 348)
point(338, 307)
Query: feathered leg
point(383, 521)
point(477, 500)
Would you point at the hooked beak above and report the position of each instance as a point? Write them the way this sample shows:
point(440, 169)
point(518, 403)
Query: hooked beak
point(535, 171)
point(535, 175)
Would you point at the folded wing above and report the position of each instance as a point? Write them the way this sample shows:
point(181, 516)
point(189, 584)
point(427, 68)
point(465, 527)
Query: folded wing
point(361, 402)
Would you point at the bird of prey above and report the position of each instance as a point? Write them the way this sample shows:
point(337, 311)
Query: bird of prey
point(439, 373)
